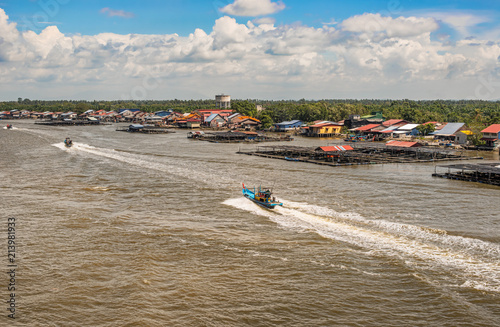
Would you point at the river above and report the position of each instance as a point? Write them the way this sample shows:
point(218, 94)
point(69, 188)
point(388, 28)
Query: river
point(128, 229)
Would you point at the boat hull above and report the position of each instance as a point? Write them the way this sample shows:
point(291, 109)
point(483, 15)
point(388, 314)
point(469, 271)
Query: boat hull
point(269, 204)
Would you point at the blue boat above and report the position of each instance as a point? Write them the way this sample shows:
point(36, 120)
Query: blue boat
point(261, 197)
point(68, 143)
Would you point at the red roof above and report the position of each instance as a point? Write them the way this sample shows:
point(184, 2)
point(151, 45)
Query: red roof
point(391, 122)
point(495, 128)
point(403, 144)
point(336, 148)
point(367, 127)
point(324, 125)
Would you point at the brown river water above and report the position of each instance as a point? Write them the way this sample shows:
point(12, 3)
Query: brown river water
point(152, 230)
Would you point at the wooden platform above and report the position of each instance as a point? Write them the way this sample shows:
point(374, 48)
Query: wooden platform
point(68, 122)
point(146, 130)
point(488, 173)
point(360, 155)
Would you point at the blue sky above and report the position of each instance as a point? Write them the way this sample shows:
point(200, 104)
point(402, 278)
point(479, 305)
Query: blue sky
point(298, 49)
point(184, 16)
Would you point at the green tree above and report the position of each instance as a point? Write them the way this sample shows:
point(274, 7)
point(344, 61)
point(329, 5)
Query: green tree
point(81, 107)
point(266, 121)
point(246, 108)
point(426, 129)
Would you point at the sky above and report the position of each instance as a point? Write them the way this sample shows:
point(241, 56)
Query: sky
point(249, 49)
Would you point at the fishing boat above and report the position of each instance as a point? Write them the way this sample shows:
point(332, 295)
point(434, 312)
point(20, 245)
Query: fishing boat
point(68, 143)
point(261, 197)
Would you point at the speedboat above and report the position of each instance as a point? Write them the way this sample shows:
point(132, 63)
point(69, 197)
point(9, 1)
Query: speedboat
point(68, 143)
point(262, 197)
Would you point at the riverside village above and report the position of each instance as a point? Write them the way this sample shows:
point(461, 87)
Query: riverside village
point(356, 139)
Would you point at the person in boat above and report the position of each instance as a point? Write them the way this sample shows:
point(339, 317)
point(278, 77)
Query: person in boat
point(68, 142)
point(9, 126)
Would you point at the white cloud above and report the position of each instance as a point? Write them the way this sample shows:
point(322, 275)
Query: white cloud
point(391, 58)
point(253, 7)
point(393, 27)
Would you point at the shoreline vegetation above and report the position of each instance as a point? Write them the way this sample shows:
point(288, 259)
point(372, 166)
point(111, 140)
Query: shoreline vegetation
point(471, 112)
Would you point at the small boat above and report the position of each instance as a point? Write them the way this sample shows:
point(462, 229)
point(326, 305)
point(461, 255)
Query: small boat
point(261, 197)
point(68, 143)
point(9, 126)
point(292, 159)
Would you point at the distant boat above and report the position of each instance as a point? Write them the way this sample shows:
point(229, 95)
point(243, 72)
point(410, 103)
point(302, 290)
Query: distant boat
point(292, 159)
point(68, 143)
point(9, 126)
point(261, 197)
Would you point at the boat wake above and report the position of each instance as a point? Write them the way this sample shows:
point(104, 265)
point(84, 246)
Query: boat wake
point(452, 260)
point(147, 162)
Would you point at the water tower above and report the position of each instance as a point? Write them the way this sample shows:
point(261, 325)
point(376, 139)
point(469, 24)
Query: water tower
point(223, 101)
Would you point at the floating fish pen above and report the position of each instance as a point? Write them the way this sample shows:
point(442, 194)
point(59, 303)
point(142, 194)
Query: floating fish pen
point(237, 137)
point(345, 155)
point(145, 129)
point(487, 173)
point(68, 122)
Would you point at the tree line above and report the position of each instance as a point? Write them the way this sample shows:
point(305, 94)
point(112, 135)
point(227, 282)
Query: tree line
point(475, 113)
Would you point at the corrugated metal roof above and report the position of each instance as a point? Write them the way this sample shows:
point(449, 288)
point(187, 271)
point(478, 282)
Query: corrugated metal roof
point(233, 115)
point(408, 127)
point(336, 148)
point(391, 122)
point(389, 129)
point(449, 129)
point(366, 127)
point(211, 117)
point(495, 128)
point(292, 122)
point(324, 124)
point(402, 144)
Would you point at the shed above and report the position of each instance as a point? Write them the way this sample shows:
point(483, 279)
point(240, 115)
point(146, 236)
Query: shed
point(448, 131)
point(215, 120)
point(333, 148)
point(287, 125)
point(403, 144)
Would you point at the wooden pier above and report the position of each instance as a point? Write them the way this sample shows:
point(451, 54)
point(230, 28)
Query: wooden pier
point(360, 155)
point(238, 137)
point(68, 122)
point(146, 130)
point(487, 173)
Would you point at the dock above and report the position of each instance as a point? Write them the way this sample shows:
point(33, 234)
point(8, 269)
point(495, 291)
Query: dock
point(358, 155)
point(68, 122)
point(145, 129)
point(238, 137)
point(486, 173)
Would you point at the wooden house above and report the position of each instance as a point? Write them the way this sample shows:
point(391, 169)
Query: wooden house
point(491, 135)
point(323, 130)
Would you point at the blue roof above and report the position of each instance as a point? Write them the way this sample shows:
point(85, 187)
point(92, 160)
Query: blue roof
point(449, 129)
point(211, 117)
point(292, 122)
point(133, 110)
point(163, 113)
